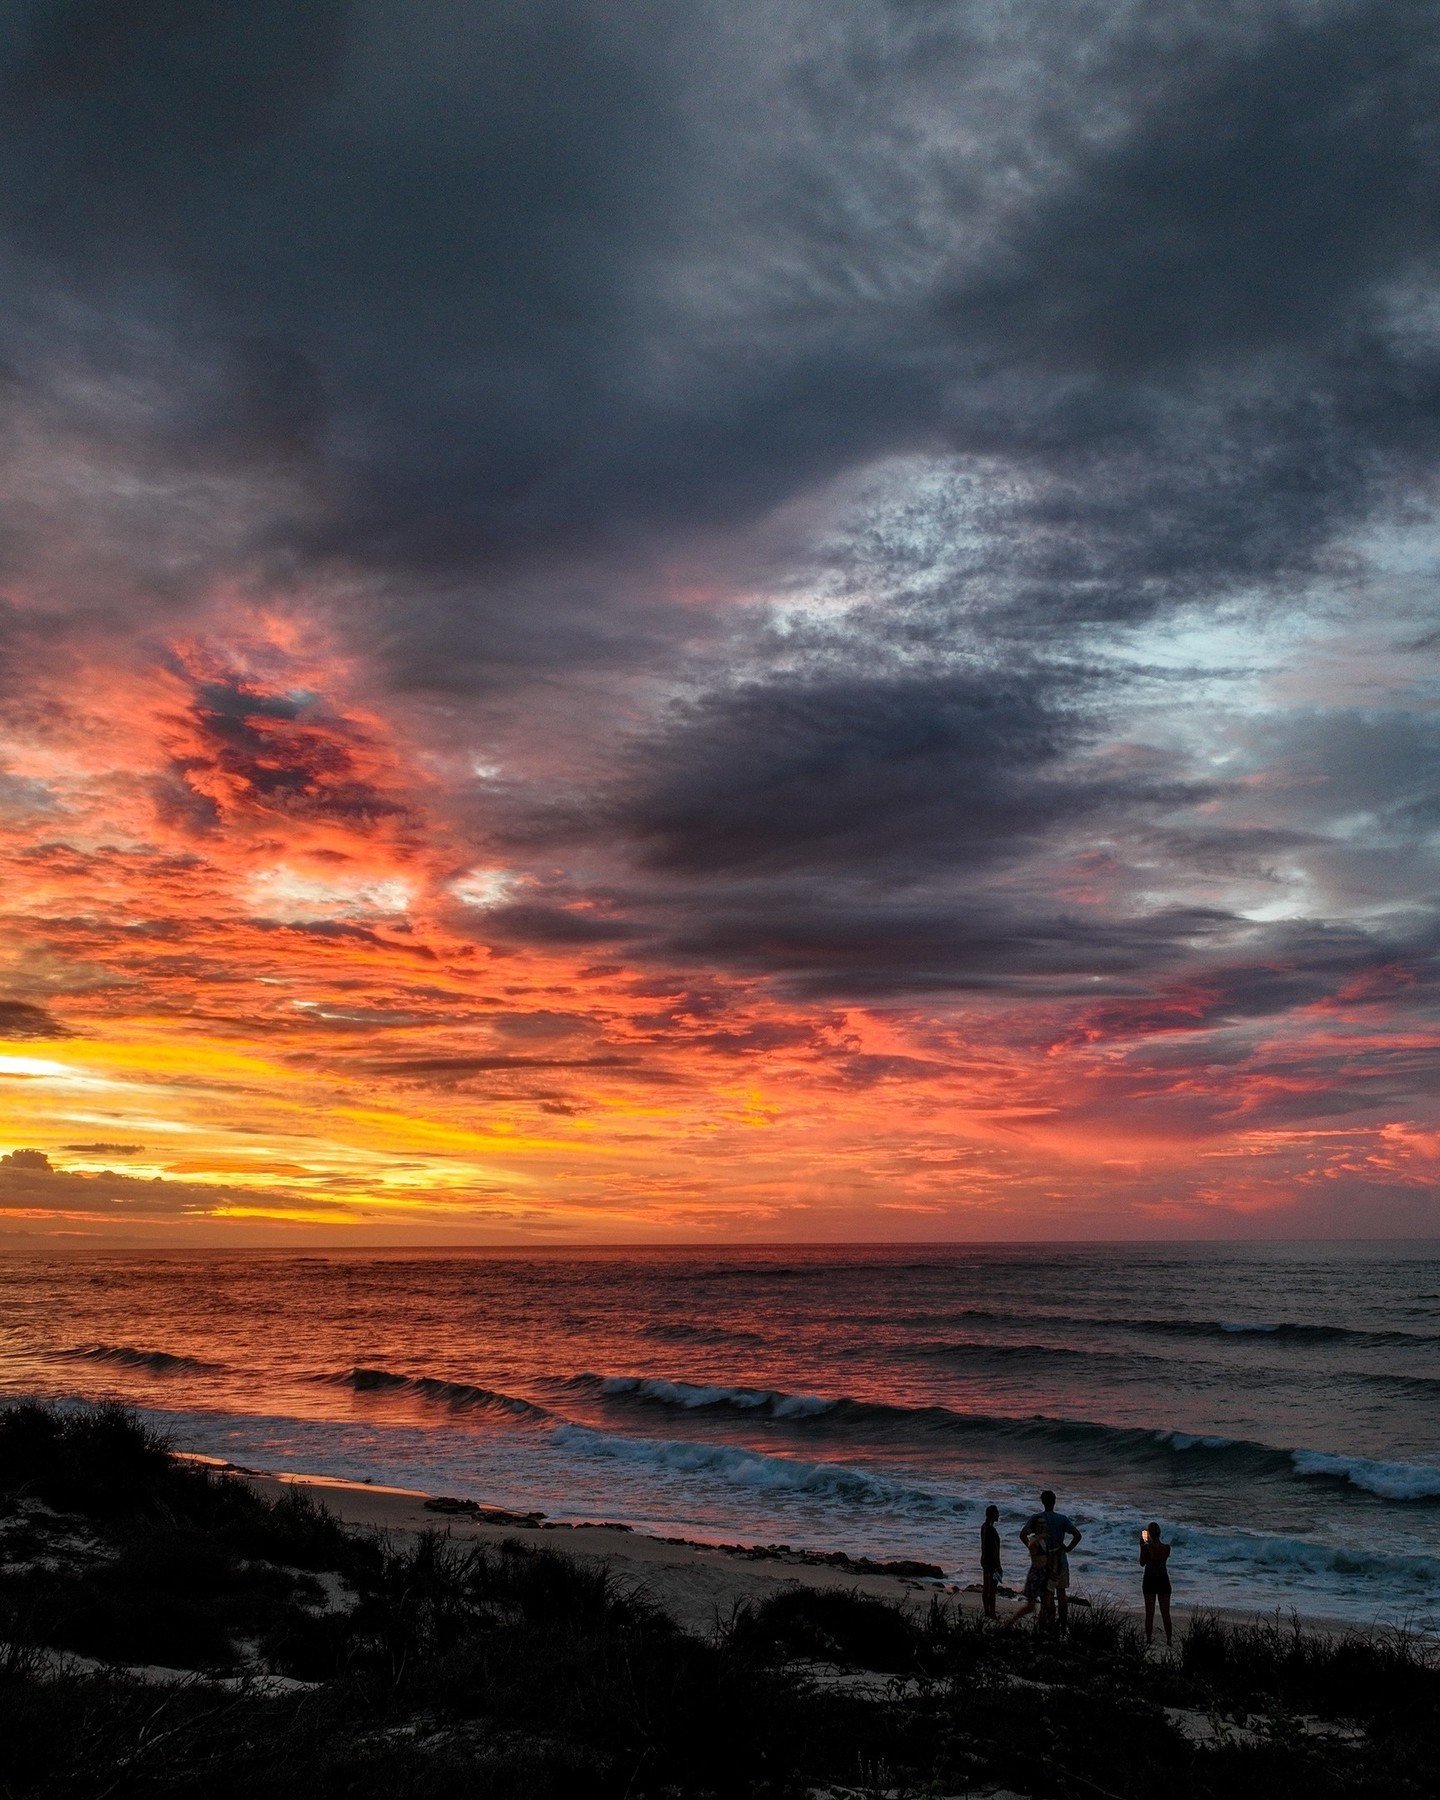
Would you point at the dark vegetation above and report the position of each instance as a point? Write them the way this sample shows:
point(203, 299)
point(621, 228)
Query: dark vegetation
point(321, 1663)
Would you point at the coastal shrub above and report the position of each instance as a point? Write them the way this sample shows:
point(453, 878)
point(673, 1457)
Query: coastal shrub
point(108, 1465)
point(101, 1461)
point(294, 1529)
point(174, 1596)
point(1349, 1675)
point(528, 1640)
point(830, 1625)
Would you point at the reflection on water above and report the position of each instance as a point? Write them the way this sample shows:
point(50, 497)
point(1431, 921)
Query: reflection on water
point(1277, 1405)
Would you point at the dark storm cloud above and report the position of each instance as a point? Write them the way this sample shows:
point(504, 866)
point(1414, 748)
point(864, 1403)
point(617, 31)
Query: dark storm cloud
point(543, 278)
point(863, 771)
point(495, 313)
point(496, 1065)
point(833, 944)
point(538, 923)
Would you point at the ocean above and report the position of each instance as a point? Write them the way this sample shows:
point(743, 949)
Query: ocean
point(1274, 1407)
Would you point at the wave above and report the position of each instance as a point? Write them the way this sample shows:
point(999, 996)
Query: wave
point(460, 1396)
point(1390, 1480)
point(979, 1350)
point(1284, 1330)
point(984, 1355)
point(754, 1469)
point(1252, 1553)
point(1135, 1445)
point(695, 1396)
point(152, 1362)
point(680, 1331)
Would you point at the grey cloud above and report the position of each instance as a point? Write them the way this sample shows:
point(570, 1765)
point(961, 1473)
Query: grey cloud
point(25, 1162)
point(480, 322)
point(838, 944)
point(944, 768)
point(539, 923)
point(1263, 193)
point(539, 281)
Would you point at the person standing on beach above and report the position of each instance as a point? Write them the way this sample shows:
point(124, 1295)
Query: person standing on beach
point(991, 1574)
point(1060, 1537)
point(1155, 1582)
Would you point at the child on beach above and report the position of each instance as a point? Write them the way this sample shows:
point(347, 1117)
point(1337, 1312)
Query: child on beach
point(1037, 1579)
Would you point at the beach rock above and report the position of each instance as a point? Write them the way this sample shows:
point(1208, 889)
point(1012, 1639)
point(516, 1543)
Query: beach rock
point(485, 1515)
point(924, 1571)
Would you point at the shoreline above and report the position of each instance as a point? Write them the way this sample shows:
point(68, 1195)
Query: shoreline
point(697, 1581)
point(320, 1636)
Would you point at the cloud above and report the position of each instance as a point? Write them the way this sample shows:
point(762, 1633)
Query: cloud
point(683, 271)
point(26, 1162)
point(36, 1191)
point(24, 1019)
point(781, 543)
point(239, 750)
point(851, 770)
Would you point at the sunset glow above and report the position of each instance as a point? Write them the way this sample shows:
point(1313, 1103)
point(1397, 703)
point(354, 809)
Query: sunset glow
point(670, 698)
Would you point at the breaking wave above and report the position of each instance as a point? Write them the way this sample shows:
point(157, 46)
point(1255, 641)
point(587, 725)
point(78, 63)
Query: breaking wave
point(754, 1469)
point(695, 1396)
point(1238, 1458)
point(151, 1362)
point(460, 1396)
point(1280, 1330)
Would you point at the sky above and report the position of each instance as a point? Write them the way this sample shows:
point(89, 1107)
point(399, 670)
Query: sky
point(740, 621)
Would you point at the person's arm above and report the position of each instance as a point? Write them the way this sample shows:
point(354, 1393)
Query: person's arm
point(1025, 1532)
point(1074, 1540)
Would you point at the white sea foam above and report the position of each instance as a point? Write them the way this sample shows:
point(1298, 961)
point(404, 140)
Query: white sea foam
point(693, 1395)
point(754, 1469)
point(1389, 1480)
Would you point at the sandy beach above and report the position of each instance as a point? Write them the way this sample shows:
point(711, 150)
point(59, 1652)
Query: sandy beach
point(696, 1583)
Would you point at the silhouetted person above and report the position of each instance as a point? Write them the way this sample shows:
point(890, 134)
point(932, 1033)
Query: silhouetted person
point(1155, 1583)
point(1037, 1581)
point(1060, 1537)
point(991, 1574)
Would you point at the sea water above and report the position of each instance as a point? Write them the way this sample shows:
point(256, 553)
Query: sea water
point(1274, 1407)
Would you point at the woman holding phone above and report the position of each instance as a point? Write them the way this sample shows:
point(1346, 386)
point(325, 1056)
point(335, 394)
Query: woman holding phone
point(1155, 1582)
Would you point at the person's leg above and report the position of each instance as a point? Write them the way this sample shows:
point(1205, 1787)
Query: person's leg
point(1062, 1604)
point(1026, 1607)
point(1150, 1618)
point(987, 1594)
point(1165, 1617)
